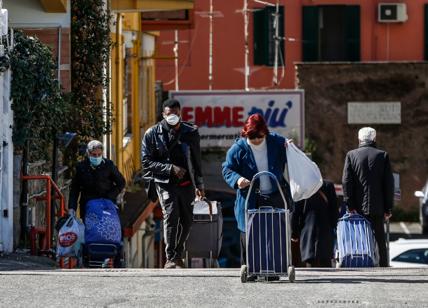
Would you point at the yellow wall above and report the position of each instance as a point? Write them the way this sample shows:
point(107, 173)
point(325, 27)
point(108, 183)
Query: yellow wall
point(128, 157)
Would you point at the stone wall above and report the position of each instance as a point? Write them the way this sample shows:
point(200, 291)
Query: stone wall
point(330, 86)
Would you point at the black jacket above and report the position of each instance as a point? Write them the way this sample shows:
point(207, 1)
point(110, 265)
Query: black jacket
point(155, 155)
point(314, 221)
point(368, 183)
point(104, 181)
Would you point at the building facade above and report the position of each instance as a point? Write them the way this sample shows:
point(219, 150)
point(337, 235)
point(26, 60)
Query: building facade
point(309, 31)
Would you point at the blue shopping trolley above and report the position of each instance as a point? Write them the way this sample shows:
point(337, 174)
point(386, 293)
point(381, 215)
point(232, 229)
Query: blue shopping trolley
point(356, 242)
point(268, 239)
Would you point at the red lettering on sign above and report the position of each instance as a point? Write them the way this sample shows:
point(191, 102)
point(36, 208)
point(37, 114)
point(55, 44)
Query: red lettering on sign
point(203, 116)
point(214, 116)
point(222, 116)
point(187, 113)
point(237, 116)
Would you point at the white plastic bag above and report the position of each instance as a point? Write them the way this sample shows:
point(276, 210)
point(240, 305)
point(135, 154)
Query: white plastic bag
point(305, 176)
point(201, 207)
point(71, 236)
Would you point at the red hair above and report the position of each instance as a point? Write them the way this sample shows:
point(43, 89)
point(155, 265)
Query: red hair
point(254, 126)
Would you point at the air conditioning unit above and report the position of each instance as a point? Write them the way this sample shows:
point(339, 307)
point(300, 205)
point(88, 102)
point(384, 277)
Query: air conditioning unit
point(392, 12)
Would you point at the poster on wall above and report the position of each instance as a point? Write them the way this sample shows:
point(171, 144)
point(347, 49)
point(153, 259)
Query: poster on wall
point(220, 115)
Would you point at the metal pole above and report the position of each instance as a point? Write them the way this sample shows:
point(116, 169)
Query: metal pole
point(247, 69)
point(59, 55)
point(24, 192)
point(176, 58)
point(210, 67)
point(52, 192)
point(276, 25)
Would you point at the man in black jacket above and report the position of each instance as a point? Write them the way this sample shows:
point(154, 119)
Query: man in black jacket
point(368, 185)
point(96, 177)
point(171, 156)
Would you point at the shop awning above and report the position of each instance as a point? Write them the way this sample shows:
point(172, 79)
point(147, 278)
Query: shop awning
point(150, 5)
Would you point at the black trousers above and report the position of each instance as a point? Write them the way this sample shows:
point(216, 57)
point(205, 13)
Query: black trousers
point(318, 263)
point(272, 200)
point(379, 233)
point(177, 210)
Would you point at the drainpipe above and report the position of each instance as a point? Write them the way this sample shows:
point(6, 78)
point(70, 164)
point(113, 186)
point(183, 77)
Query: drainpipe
point(59, 46)
point(106, 94)
point(119, 100)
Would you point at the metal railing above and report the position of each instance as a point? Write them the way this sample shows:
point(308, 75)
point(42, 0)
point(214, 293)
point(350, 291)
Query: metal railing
point(52, 193)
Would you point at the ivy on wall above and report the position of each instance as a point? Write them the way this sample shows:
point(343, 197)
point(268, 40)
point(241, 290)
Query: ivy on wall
point(38, 106)
point(90, 48)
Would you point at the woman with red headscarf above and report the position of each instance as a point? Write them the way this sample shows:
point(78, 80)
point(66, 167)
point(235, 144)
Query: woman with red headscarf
point(257, 150)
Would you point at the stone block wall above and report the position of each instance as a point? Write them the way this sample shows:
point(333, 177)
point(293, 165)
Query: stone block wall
point(330, 86)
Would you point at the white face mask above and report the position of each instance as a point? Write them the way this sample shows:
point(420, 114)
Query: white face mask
point(172, 119)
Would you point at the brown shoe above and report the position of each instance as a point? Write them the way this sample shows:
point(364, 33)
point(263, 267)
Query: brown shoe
point(179, 263)
point(169, 264)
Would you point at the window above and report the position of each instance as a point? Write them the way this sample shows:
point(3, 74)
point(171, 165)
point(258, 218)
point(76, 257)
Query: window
point(264, 36)
point(413, 256)
point(331, 33)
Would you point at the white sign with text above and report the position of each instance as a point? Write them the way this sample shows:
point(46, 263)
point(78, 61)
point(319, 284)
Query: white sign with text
point(374, 113)
point(220, 115)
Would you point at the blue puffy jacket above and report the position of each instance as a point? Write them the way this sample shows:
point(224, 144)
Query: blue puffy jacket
point(240, 163)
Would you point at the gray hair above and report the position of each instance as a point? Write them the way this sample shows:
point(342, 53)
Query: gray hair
point(94, 145)
point(367, 134)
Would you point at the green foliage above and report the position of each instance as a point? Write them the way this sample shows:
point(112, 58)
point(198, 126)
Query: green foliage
point(90, 48)
point(311, 147)
point(38, 106)
point(409, 215)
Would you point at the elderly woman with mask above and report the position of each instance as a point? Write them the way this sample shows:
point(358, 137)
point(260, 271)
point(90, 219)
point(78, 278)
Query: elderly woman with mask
point(257, 150)
point(96, 177)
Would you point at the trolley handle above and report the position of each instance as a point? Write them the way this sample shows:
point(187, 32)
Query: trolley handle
point(258, 175)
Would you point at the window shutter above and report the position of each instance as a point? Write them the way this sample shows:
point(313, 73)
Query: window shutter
point(310, 30)
point(264, 32)
point(352, 32)
point(259, 31)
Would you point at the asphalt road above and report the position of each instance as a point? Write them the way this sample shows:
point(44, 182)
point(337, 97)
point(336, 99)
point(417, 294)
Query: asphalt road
point(407, 230)
point(213, 288)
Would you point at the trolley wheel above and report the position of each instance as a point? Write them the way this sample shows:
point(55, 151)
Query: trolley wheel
point(291, 274)
point(244, 273)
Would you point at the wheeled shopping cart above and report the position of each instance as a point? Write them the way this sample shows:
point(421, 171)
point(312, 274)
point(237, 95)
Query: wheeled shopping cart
point(356, 244)
point(268, 239)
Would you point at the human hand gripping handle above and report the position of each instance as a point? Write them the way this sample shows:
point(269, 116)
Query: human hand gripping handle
point(200, 193)
point(287, 141)
point(71, 212)
point(178, 171)
point(243, 182)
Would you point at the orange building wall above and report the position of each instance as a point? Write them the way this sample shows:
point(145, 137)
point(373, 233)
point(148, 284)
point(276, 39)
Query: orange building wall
point(379, 42)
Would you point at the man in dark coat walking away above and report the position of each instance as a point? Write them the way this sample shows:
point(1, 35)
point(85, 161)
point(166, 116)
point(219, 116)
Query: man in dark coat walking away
point(368, 185)
point(171, 157)
point(313, 222)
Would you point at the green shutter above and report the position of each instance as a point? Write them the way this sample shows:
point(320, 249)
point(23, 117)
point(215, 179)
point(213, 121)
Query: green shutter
point(264, 43)
point(270, 33)
point(310, 30)
point(352, 32)
point(259, 30)
point(426, 32)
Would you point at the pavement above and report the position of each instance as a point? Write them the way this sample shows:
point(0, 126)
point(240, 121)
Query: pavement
point(213, 288)
point(33, 281)
point(23, 261)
